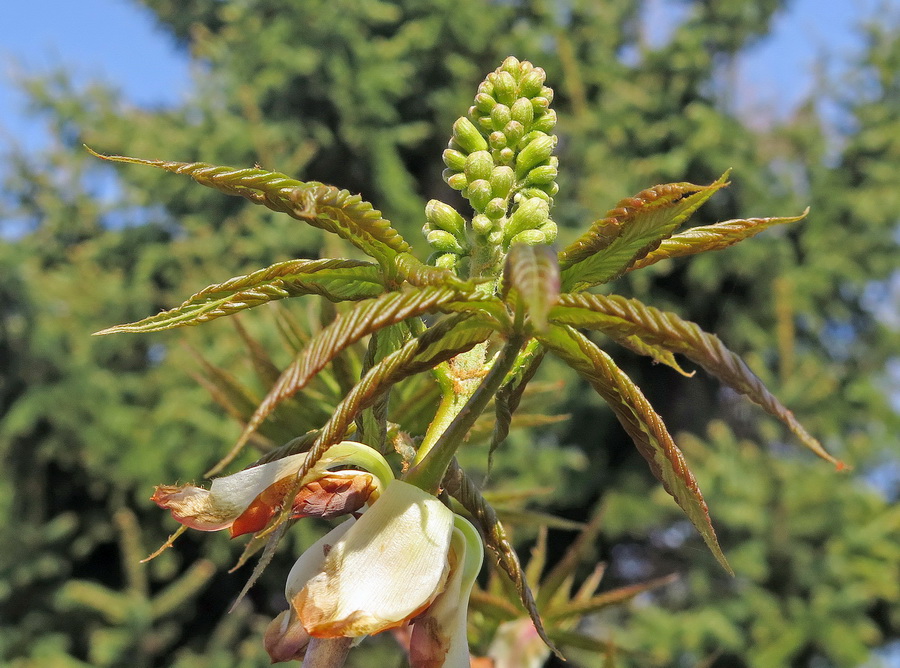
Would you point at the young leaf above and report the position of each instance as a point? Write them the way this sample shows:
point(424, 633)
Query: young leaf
point(439, 343)
point(334, 279)
point(508, 397)
point(659, 355)
point(626, 317)
point(364, 318)
point(629, 232)
point(642, 423)
point(463, 489)
point(533, 273)
point(446, 339)
point(711, 237)
point(325, 207)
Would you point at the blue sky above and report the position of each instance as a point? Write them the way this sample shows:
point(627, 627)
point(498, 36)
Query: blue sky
point(116, 41)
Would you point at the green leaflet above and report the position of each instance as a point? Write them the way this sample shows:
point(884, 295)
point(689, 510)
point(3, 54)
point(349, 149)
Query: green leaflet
point(325, 207)
point(626, 317)
point(642, 423)
point(364, 318)
point(629, 232)
point(532, 273)
point(334, 279)
point(711, 238)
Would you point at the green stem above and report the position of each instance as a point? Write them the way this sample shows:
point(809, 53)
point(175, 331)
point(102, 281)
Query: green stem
point(430, 468)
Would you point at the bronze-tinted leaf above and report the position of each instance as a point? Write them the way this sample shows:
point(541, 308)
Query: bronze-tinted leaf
point(642, 423)
point(508, 397)
point(336, 280)
point(325, 207)
point(439, 343)
point(711, 238)
point(461, 488)
point(532, 273)
point(626, 317)
point(630, 231)
point(364, 318)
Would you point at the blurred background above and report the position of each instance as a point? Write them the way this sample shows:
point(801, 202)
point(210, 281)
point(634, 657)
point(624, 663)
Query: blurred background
point(800, 98)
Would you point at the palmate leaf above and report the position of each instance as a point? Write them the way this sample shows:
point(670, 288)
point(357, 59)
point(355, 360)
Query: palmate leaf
point(641, 422)
point(629, 317)
point(334, 279)
point(629, 232)
point(711, 238)
point(325, 207)
point(532, 274)
point(364, 318)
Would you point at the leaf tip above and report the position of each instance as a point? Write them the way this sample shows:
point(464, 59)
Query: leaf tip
point(94, 153)
point(841, 466)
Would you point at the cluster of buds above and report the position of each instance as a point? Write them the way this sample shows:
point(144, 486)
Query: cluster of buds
point(500, 158)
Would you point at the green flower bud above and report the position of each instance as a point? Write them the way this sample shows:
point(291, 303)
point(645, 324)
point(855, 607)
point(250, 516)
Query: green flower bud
point(454, 159)
point(445, 217)
point(537, 152)
point(479, 165)
point(504, 87)
point(535, 192)
point(541, 175)
point(532, 82)
point(545, 122)
point(468, 136)
point(443, 241)
point(530, 137)
point(549, 230)
point(529, 237)
point(497, 140)
point(513, 132)
point(540, 104)
point(484, 103)
point(522, 111)
point(482, 225)
point(502, 180)
point(486, 87)
point(530, 214)
point(542, 190)
point(447, 261)
point(547, 92)
point(500, 116)
point(479, 194)
point(495, 237)
point(485, 123)
point(505, 156)
point(511, 64)
point(456, 181)
point(496, 208)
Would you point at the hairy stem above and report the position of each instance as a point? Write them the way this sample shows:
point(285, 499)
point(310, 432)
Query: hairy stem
point(430, 467)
